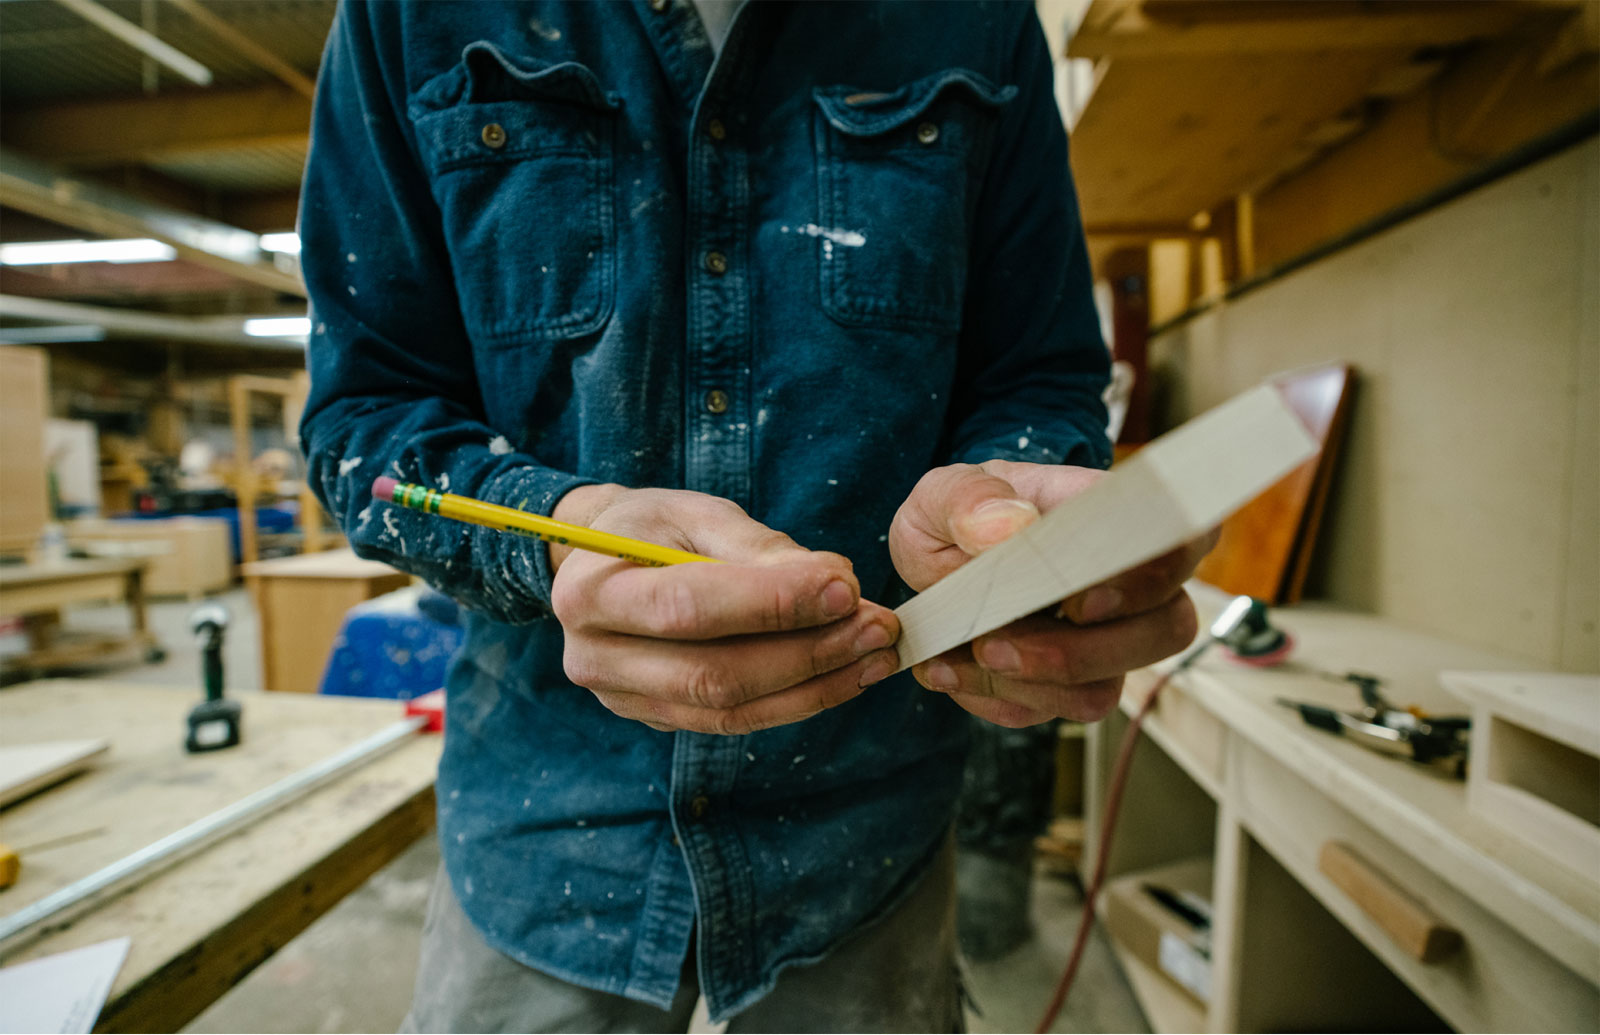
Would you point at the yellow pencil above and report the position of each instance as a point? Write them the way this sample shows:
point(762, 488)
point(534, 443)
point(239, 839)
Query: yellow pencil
point(520, 522)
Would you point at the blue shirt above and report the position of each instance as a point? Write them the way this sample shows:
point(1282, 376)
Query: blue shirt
point(552, 244)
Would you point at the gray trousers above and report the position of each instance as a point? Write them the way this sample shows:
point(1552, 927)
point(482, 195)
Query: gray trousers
point(898, 974)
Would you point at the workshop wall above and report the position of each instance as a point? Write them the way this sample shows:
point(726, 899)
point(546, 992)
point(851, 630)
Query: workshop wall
point(1466, 503)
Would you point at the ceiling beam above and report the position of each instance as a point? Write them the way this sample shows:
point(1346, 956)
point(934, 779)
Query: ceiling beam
point(134, 129)
point(265, 59)
point(1279, 28)
point(262, 213)
point(131, 323)
point(49, 194)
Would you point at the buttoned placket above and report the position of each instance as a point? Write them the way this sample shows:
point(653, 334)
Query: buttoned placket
point(717, 448)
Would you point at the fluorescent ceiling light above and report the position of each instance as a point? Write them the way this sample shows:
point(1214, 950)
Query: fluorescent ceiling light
point(288, 243)
point(278, 327)
point(45, 253)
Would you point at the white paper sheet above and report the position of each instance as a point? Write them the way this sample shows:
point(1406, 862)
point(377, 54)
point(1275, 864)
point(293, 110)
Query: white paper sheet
point(60, 993)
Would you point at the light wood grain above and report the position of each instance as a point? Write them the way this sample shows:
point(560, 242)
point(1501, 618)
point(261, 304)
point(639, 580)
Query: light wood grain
point(1172, 490)
point(24, 381)
point(1465, 504)
point(1415, 928)
point(202, 925)
point(26, 768)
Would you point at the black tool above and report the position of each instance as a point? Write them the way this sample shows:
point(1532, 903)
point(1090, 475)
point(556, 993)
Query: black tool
point(1428, 739)
point(215, 722)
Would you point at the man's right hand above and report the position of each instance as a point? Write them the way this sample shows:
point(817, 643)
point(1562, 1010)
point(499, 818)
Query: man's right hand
point(774, 635)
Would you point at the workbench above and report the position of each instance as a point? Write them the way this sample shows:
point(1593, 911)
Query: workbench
point(1228, 775)
point(37, 593)
point(201, 925)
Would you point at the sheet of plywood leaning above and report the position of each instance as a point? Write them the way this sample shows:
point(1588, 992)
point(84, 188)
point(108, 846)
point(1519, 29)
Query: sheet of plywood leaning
point(1178, 487)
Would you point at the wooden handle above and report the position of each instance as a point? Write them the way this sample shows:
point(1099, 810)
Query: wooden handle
point(1412, 925)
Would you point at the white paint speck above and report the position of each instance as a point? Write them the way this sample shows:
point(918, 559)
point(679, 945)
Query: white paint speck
point(350, 257)
point(1022, 443)
point(798, 759)
point(832, 234)
point(566, 888)
point(499, 445)
point(833, 481)
point(468, 886)
point(548, 33)
point(349, 464)
point(444, 483)
point(322, 328)
point(352, 290)
point(761, 416)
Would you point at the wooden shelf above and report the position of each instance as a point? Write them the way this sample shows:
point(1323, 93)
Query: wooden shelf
point(1198, 103)
point(1229, 772)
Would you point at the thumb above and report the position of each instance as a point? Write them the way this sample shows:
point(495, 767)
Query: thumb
point(961, 506)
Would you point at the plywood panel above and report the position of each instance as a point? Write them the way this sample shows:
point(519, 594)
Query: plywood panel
point(1462, 505)
point(24, 376)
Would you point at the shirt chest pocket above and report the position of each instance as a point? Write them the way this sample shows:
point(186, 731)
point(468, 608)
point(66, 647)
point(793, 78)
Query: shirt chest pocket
point(520, 160)
point(897, 175)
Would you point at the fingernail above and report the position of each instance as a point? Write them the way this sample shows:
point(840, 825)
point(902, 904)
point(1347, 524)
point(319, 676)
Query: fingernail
point(873, 637)
point(1099, 604)
point(1000, 518)
point(838, 599)
point(941, 676)
point(1000, 656)
point(881, 667)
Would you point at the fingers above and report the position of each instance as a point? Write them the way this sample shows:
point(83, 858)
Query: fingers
point(954, 514)
point(1042, 667)
point(790, 705)
point(1140, 589)
point(1042, 648)
point(729, 673)
point(705, 601)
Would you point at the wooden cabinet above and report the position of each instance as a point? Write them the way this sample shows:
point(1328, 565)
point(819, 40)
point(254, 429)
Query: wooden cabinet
point(1333, 863)
point(301, 602)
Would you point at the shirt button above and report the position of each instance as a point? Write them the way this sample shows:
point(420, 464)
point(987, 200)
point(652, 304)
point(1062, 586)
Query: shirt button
point(494, 135)
point(927, 133)
point(716, 402)
point(717, 130)
point(700, 806)
point(717, 263)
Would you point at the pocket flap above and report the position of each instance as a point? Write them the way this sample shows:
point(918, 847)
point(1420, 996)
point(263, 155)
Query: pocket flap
point(864, 113)
point(487, 75)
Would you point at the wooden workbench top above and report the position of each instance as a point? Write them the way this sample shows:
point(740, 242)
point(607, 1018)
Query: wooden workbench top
point(200, 926)
point(332, 564)
point(13, 575)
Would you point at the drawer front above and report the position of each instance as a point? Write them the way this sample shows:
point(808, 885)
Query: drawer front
point(1495, 980)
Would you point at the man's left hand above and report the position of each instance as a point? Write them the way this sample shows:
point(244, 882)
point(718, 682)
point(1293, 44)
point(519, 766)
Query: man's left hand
point(1066, 661)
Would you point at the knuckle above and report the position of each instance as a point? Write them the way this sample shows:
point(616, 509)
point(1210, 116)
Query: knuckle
point(705, 686)
point(567, 602)
point(674, 609)
point(579, 667)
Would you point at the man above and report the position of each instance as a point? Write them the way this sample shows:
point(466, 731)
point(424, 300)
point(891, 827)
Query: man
point(768, 303)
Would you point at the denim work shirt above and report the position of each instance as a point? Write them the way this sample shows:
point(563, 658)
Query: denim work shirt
point(550, 245)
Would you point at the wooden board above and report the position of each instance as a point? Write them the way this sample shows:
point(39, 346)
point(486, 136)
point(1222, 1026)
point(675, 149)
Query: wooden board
point(201, 926)
point(26, 768)
point(1174, 489)
point(1266, 546)
point(24, 381)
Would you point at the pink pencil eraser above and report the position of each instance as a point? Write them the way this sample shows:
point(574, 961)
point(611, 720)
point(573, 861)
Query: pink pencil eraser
point(383, 488)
